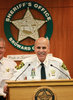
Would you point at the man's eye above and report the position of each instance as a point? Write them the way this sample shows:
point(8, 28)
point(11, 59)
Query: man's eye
point(43, 47)
point(38, 47)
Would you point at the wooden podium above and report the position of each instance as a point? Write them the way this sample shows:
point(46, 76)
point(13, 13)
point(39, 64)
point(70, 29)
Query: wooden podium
point(29, 90)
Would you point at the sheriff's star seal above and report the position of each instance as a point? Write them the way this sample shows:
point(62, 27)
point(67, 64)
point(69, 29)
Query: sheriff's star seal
point(44, 93)
point(28, 26)
point(44, 96)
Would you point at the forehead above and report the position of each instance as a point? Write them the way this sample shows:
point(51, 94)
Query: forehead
point(41, 44)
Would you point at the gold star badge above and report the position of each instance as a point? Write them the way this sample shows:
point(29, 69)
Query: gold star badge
point(28, 26)
point(44, 96)
point(7, 70)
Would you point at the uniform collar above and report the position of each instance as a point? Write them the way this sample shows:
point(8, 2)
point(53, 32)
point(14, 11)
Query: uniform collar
point(38, 62)
point(45, 61)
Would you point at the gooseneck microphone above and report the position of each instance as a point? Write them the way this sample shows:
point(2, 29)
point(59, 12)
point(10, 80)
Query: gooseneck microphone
point(60, 71)
point(22, 72)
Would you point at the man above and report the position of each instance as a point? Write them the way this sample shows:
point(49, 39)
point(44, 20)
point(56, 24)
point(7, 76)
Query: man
point(7, 68)
point(42, 66)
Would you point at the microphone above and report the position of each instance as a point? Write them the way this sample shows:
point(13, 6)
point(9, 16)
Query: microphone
point(60, 71)
point(22, 72)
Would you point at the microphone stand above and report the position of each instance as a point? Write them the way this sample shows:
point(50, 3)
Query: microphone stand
point(60, 71)
point(22, 72)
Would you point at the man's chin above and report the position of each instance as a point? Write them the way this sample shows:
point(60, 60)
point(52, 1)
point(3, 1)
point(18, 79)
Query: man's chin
point(41, 58)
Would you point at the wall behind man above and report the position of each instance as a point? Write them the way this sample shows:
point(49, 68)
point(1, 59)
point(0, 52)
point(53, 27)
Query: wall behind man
point(61, 41)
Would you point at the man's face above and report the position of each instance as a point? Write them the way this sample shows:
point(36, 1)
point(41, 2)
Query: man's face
point(42, 49)
point(2, 49)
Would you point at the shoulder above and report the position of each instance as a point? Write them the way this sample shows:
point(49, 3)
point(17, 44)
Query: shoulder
point(59, 62)
point(55, 59)
point(9, 61)
point(26, 61)
point(29, 59)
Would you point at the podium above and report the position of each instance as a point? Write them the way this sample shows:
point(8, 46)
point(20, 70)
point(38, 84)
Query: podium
point(40, 90)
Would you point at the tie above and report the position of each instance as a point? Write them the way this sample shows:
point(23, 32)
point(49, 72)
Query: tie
point(43, 74)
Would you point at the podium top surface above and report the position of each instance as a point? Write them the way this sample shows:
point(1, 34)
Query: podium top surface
point(67, 82)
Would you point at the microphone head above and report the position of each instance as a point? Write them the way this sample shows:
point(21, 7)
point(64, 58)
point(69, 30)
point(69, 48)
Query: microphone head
point(51, 65)
point(28, 64)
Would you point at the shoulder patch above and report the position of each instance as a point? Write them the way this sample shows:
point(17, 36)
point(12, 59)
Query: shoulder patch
point(20, 66)
point(64, 66)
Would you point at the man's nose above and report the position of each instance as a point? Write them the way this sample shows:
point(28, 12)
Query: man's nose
point(41, 49)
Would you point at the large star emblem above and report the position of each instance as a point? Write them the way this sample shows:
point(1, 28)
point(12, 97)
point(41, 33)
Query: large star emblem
point(28, 26)
point(45, 96)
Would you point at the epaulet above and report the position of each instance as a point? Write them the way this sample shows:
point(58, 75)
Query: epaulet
point(19, 66)
point(64, 66)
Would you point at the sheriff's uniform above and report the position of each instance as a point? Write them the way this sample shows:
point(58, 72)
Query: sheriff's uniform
point(7, 69)
point(54, 67)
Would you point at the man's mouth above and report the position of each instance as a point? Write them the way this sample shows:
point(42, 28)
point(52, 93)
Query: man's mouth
point(41, 53)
